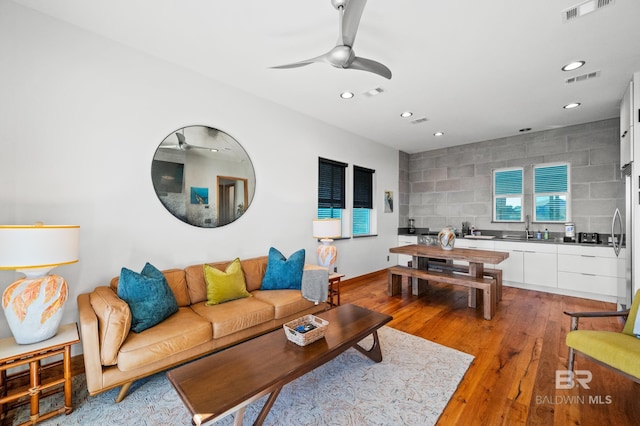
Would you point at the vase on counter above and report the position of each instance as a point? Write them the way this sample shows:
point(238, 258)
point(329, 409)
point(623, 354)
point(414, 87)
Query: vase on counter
point(447, 238)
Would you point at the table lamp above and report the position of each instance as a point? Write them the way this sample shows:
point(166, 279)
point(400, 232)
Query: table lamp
point(33, 305)
point(325, 230)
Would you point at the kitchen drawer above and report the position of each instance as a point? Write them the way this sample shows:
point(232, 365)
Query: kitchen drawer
point(474, 244)
point(589, 283)
point(599, 251)
point(604, 266)
point(405, 240)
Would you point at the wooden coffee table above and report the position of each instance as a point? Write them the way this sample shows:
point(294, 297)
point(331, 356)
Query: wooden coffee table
point(227, 381)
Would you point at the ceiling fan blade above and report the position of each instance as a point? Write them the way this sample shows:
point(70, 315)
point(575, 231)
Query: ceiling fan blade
point(321, 58)
point(351, 20)
point(364, 64)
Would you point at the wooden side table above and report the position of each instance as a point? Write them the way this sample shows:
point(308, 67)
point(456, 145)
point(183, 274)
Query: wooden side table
point(14, 355)
point(334, 289)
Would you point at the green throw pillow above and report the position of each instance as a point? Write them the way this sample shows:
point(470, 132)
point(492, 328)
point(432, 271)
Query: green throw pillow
point(225, 286)
point(148, 295)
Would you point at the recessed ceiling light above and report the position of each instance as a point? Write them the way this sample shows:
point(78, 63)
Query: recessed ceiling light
point(573, 65)
point(346, 95)
point(438, 134)
point(526, 129)
point(572, 105)
point(406, 114)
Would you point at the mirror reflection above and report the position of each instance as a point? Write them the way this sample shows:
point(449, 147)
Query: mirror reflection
point(203, 176)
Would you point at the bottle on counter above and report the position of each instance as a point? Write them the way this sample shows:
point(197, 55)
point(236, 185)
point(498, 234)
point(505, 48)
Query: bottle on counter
point(546, 234)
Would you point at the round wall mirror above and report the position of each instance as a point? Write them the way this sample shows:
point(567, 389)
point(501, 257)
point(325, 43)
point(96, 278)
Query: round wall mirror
point(203, 176)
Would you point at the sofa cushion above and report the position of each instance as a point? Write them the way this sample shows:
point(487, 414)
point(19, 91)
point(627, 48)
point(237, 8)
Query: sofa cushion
point(180, 332)
point(285, 302)
point(236, 315)
point(176, 280)
point(283, 273)
point(253, 270)
point(225, 286)
point(148, 296)
point(612, 348)
point(114, 322)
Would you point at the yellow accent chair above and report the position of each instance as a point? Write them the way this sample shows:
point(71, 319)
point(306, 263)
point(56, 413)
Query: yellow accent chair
point(619, 351)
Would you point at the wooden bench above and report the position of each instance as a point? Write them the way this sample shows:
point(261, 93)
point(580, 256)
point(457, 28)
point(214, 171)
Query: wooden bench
point(486, 285)
point(496, 274)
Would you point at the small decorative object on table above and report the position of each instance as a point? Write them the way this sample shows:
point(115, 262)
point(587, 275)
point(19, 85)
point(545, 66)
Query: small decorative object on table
point(305, 330)
point(447, 238)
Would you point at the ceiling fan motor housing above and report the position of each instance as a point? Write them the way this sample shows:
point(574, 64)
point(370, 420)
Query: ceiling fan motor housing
point(339, 3)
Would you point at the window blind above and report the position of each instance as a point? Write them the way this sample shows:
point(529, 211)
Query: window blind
point(551, 178)
point(331, 178)
point(508, 182)
point(362, 188)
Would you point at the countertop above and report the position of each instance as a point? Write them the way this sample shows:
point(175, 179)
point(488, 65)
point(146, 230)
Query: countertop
point(514, 236)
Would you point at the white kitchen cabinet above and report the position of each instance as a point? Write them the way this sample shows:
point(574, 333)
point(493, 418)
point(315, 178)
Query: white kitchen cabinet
point(541, 265)
point(513, 266)
point(405, 240)
point(534, 264)
point(594, 270)
point(626, 126)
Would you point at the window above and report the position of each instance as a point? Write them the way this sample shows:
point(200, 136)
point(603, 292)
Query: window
point(551, 193)
point(331, 188)
point(507, 195)
point(362, 200)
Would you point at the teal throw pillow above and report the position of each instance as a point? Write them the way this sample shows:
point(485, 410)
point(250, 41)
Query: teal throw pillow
point(148, 295)
point(283, 273)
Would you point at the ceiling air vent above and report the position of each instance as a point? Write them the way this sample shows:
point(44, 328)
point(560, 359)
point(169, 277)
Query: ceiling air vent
point(419, 120)
point(584, 8)
point(583, 77)
point(374, 92)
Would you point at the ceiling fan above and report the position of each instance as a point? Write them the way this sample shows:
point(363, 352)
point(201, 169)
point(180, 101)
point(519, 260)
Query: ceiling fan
point(342, 55)
point(184, 146)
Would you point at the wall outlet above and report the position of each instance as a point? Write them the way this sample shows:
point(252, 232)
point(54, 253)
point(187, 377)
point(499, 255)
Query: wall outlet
point(387, 258)
point(335, 269)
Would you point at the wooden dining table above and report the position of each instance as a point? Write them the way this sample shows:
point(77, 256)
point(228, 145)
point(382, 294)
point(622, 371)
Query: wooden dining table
point(476, 259)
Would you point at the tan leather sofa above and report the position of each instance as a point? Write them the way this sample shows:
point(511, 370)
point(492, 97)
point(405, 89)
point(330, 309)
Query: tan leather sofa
point(115, 356)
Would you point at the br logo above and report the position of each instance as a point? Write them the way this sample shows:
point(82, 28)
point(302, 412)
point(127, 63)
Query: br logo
point(566, 379)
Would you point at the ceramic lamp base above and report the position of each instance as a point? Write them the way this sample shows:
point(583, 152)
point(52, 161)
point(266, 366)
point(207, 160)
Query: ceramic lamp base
point(327, 253)
point(33, 307)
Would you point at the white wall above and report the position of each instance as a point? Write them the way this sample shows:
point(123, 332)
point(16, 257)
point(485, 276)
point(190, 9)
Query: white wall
point(80, 119)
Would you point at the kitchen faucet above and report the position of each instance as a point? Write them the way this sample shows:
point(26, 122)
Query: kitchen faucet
point(526, 229)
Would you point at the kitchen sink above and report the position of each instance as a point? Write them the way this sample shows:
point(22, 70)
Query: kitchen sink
point(514, 237)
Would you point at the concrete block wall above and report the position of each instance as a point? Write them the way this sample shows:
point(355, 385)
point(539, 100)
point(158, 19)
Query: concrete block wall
point(451, 185)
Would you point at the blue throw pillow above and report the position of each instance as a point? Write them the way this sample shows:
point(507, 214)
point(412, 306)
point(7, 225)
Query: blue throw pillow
point(283, 273)
point(148, 295)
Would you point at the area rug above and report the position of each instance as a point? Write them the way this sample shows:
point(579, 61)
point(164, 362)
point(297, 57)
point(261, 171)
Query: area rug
point(411, 386)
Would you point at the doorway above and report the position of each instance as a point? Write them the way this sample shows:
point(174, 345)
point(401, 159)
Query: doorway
point(233, 196)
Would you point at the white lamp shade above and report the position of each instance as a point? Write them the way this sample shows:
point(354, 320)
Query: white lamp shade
point(38, 246)
point(327, 228)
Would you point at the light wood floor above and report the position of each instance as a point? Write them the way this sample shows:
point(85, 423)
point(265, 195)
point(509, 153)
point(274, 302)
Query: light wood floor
point(512, 379)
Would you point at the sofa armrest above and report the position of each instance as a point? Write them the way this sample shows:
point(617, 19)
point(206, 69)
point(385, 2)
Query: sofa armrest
point(90, 344)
